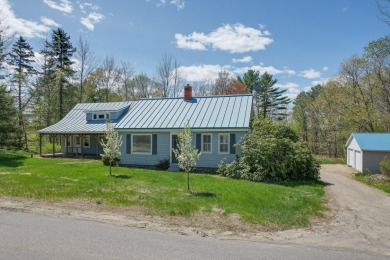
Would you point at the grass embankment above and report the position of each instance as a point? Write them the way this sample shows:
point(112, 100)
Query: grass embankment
point(160, 192)
point(374, 180)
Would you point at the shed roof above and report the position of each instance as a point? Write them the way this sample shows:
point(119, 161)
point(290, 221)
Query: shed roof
point(372, 141)
point(211, 112)
point(75, 121)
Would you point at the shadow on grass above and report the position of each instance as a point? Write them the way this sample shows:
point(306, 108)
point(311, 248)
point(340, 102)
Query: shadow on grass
point(11, 160)
point(203, 194)
point(121, 176)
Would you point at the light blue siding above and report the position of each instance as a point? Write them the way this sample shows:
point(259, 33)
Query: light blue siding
point(214, 159)
point(163, 151)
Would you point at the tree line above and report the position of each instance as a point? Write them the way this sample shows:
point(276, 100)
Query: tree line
point(357, 99)
point(47, 83)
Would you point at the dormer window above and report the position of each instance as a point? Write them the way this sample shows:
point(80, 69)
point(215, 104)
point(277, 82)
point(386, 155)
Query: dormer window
point(101, 116)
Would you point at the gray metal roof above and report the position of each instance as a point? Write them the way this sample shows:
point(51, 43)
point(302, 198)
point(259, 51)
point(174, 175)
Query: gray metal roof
point(212, 112)
point(230, 111)
point(75, 121)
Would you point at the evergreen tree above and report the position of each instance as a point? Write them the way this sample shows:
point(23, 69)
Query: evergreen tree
point(21, 58)
point(250, 79)
point(8, 115)
point(62, 50)
point(270, 101)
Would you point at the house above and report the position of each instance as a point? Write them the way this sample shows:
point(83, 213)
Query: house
point(149, 127)
point(366, 150)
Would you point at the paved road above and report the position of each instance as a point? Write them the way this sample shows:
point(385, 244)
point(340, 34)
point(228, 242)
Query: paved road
point(28, 236)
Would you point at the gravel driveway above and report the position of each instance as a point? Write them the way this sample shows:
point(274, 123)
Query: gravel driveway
point(361, 215)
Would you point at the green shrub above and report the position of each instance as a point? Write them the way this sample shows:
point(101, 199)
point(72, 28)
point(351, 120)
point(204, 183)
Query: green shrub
point(106, 161)
point(272, 153)
point(163, 164)
point(231, 170)
point(385, 166)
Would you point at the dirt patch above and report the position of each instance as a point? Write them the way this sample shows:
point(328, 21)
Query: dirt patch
point(358, 219)
point(23, 173)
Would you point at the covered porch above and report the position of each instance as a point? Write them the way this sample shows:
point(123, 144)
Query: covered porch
point(76, 145)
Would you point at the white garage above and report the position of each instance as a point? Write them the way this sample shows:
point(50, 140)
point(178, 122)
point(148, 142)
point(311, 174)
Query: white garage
point(366, 150)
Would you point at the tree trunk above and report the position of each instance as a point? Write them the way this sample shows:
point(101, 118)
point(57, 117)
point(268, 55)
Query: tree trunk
point(188, 181)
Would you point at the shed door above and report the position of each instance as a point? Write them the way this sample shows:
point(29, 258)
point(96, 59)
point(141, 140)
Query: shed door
point(358, 161)
point(350, 157)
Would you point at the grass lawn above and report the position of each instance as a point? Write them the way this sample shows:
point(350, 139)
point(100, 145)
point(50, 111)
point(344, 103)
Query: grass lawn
point(378, 183)
point(160, 192)
point(327, 160)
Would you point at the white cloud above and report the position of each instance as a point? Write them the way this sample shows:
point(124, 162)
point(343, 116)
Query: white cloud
point(92, 19)
point(49, 22)
point(233, 38)
point(63, 6)
point(321, 81)
point(289, 85)
point(178, 3)
point(90, 6)
point(310, 74)
point(201, 72)
point(26, 28)
point(325, 68)
point(262, 69)
point(245, 59)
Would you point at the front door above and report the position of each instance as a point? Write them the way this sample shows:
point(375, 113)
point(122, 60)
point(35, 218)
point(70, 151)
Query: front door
point(174, 139)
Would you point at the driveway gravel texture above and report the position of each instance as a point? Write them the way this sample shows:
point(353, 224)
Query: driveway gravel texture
point(359, 217)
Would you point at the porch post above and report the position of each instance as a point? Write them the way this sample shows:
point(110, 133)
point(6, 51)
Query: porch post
point(66, 145)
point(82, 145)
point(40, 144)
point(53, 140)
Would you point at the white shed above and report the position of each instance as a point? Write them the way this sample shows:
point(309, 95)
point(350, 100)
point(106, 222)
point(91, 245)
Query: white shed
point(366, 150)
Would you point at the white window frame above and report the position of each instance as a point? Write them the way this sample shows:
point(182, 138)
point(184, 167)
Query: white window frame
point(105, 116)
point(132, 144)
point(219, 143)
point(211, 143)
point(89, 141)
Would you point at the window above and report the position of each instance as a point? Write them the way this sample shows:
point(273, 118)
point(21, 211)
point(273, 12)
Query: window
point(68, 141)
point(101, 116)
point(206, 143)
point(77, 141)
point(223, 143)
point(87, 141)
point(142, 144)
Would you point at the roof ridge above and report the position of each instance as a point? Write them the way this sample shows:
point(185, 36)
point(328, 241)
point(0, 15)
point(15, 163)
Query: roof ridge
point(217, 96)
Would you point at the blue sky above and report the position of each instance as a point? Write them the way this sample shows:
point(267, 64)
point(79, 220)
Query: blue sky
point(300, 42)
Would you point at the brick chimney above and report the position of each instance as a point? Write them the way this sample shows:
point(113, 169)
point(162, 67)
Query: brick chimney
point(187, 92)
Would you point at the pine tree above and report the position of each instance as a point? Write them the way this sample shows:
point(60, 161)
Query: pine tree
point(21, 58)
point(270, 100)
point(8, 115)
point(62, 50)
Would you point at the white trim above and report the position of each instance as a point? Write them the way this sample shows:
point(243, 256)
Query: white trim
point(104, 114)
point(132, 144)
point(228, 143)
point(211, 143)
